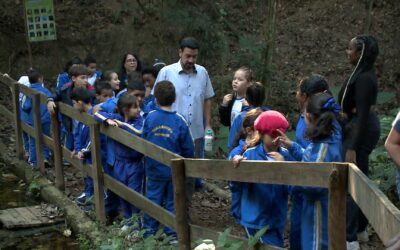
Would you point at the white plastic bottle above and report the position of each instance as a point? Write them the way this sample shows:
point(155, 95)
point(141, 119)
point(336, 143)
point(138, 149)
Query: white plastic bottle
point(208, 138)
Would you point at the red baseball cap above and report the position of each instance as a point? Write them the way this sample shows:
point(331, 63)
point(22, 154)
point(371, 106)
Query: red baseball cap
point(269, 122)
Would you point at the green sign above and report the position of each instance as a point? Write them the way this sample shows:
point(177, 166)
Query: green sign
point(40, 22)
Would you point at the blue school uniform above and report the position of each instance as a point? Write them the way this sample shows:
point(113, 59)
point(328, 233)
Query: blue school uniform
point(315, 200)
point(128, 165)
point(235, 186)
point(297, 198)
point(44, 118)
point(62, 79)
point(264, 204)
point(169, 130)
point(237, 125)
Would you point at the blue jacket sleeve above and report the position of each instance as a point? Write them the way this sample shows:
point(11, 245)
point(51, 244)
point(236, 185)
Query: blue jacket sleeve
point(296, 151)
point(26, 104)
point(235, 129)
point(77, 138)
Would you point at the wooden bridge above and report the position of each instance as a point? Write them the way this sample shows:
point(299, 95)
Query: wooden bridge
point(339, 178)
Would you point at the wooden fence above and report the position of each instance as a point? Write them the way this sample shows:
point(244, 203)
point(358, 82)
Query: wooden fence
point(339, 178)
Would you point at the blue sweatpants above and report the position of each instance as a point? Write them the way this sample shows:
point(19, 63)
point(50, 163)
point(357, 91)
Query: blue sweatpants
point(32, 146)
point(159, 191)
point(271, 237)
point(112, 200)
point(131, 174)
point(236, 195)
point(314, 224)
point(295, 222)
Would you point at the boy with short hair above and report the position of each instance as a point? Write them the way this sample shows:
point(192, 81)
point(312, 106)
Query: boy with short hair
point(168, 129)
point(81, 98)
point(91, 65)
point(36, 83)
point(103, 90)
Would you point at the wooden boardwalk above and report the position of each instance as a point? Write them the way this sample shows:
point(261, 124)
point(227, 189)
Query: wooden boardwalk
point(25, 217)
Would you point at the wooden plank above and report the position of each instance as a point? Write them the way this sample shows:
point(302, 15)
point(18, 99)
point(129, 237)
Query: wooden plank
point(24, 217)
point(138, 200)
point(139, 144)
point(198, 232)
point(38, 133)
point(57, 152)
point(182, 222)
point(6, 80)
point(31, 92)
point(19, 146)
point(288, 173)
point(75, 114)
point(97, 170)
point(29, 218)
point(28, 129)
point(337, 207)
point(381, 213)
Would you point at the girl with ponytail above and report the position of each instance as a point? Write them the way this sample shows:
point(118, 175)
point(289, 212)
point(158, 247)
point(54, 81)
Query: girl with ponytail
point(361, 128)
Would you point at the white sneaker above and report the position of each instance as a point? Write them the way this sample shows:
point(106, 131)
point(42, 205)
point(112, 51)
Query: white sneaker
point(363, 236)
point(352, 245)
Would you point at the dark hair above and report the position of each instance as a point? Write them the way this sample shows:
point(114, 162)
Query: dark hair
point(255, 94)
point(89, 59)
point(126, 102)
point(248, 73)
point(248, 121)
point(101, 85)
point(158, 65)
point(150, 70)
point(322, 115)
point(164, 93)
point(106, 76)
point(313, 84)
point(78, 70)
point(189, 42)
point(122, 74)
point(34, 75)
point(81, 94)
point(74, 60)
point(136, 85)
point(369, 49)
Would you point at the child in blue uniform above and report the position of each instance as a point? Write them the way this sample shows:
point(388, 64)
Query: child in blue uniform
point(265, 205)
point(81, 97)
point(128, 165)
point(248, 137)
point(24, 80)
point(169, 130)
point(91, 65)
point(307, 87)
point(36, 81)
point(255, 96)
point(325, 137)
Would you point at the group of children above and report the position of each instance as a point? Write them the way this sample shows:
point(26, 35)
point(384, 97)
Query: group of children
point(257, 133)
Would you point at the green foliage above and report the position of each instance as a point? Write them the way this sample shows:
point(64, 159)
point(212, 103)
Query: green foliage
point(253, 240)
point(225, 243)
point(34, 188)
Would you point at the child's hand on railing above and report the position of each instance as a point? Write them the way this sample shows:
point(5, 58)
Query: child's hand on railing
point(51, 107)
point(80, 155)
point(276, 156)
point(112, 122)
point(237, 159)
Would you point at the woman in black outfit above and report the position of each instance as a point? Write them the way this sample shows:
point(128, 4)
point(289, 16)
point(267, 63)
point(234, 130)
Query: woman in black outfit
point(361, 125)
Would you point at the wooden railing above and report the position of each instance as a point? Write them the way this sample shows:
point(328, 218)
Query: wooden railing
point(339, 178)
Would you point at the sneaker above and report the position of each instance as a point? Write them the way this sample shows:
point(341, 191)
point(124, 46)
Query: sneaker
point(352, 245)
point(66, 163)
point(81, 199)
point(47, 164)
point(173, 242)
point(363, 236)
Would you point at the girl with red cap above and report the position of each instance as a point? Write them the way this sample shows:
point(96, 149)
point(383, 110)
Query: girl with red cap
point(265, 205)
point(325, 136)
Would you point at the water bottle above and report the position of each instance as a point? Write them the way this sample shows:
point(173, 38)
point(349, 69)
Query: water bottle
point(208, 138)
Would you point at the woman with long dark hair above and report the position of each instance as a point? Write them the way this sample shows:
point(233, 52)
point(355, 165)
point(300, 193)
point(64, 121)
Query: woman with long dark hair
point(361, 127)
point(130, 63)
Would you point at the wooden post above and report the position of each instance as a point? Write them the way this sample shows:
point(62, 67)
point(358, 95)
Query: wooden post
point(19, 146)
point(337, 207)
point(38, 132)
point(57, 151)
point(98, 179)
point(182, 222)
